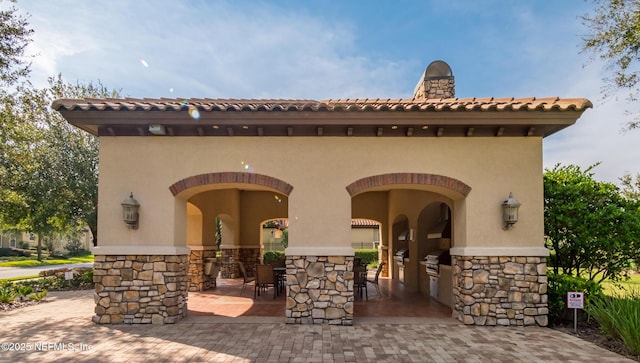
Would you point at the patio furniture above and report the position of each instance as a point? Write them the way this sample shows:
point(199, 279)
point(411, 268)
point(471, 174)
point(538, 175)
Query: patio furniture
point(281, 277)
point(265, 278)
point(246, 278)
point(375, 279)
point(360, 280)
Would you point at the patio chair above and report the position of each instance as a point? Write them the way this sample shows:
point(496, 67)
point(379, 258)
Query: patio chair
point(375, 279)
point(265, 278)
point(360, 280)
point(246, 278)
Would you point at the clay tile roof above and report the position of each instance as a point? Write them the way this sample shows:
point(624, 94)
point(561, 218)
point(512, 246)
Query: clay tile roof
point(331, 105)
point(360, 222)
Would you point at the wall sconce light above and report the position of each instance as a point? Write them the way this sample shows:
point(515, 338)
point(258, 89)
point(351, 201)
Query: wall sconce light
point(510, 212)
point(130, 212)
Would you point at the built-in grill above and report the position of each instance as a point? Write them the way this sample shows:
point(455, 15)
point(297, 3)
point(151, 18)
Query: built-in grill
point(399, 259)
point(400, 255)
point(436, 258)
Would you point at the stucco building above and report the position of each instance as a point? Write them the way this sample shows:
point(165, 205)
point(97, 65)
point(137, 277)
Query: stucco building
point(409, 164)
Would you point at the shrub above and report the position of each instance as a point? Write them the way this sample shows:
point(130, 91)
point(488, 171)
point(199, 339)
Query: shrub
point(10, 252)
point(38, 295)
point(55, 279)
point(7, 293)
point(557, 290)
point(368, 256)
point(619, 317)
point(75, 248)
point(270, 256)
point(23, 291)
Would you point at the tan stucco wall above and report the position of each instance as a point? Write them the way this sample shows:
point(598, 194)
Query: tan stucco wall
point(375, 206)
point(319, 169)
point(257, 207)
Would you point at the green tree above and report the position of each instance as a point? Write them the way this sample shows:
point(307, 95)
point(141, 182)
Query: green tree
point(614, 36)
point(49, 168)
point(630, 188)
point(591, 229)
point(15, 35)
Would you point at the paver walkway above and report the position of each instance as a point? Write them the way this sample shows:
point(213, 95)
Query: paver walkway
point(62, 331)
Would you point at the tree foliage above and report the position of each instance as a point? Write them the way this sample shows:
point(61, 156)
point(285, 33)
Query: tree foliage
point(49, 169)
point(591, 229)
point(15, 35)
point(630, 188)
point(614, 36)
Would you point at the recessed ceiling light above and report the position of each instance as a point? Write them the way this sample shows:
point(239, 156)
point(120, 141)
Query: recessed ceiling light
point(245, 127)
point(215, 126)
point(394, 127)
point(425, 127)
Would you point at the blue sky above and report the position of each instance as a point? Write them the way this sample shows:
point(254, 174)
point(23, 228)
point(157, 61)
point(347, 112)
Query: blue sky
point(338, 49)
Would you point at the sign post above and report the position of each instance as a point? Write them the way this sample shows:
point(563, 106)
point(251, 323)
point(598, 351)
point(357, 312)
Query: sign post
point(575, 301)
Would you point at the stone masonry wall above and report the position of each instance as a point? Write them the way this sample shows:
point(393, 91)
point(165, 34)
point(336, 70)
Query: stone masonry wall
point(230, 257)
point(319, 290)
point(500, 290)
point(198, 281)
point(140, 289)
point(440, 88)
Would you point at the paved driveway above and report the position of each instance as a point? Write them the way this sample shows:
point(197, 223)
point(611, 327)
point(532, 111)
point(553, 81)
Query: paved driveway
point(10, 272)
point(61, 330)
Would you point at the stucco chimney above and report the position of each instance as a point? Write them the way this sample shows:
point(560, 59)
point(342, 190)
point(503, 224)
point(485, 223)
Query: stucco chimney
point(436, 82)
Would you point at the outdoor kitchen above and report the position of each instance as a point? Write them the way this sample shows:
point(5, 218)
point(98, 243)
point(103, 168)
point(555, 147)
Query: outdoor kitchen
point(435, 275)
point(421, 259)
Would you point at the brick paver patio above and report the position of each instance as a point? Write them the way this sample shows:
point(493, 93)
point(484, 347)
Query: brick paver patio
point(61, 331)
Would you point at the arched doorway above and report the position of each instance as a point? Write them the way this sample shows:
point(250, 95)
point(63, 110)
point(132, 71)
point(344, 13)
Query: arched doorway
point(418, 214)
point(221, 213)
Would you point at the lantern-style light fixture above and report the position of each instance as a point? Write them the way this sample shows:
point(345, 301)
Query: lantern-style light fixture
point(510, 212)
point(130, 212)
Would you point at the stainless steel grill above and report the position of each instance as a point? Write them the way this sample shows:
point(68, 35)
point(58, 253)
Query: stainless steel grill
point(434, 259)
point(400, 255)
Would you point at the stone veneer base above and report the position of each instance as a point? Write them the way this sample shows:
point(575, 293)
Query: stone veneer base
point(249, 256)
point(198, 281)
point(509, 291)
point(140, 289)
point(319, 290)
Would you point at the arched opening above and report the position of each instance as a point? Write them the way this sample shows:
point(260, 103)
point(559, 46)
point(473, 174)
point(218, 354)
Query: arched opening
point(274, 234)
point(220, 215)
point(418, 215)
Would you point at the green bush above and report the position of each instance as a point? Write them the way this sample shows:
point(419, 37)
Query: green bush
point(38, 295)
point(23, 291)
point(368, 256)
point(7, 293)
point(557, 290)
point(270, 256)
point(55, 279)
point(10, 252)
point(619, 317)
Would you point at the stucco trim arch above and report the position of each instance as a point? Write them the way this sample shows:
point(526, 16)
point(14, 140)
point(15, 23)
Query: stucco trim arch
point(441, 181)
point(231, 177)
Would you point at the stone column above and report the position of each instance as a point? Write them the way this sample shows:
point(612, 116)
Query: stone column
point(140, 289)
point(137, 287)
point(319, 290)
point(248, 255)
point(500, 290)
point(198, 281)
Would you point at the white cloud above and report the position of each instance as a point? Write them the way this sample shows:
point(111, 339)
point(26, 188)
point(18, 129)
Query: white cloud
point(264, 50)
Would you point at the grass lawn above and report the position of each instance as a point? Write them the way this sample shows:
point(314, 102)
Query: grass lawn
point(34, 263)
point(624, 287)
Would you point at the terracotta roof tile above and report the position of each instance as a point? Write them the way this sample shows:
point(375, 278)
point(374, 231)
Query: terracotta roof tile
point(331, 105)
